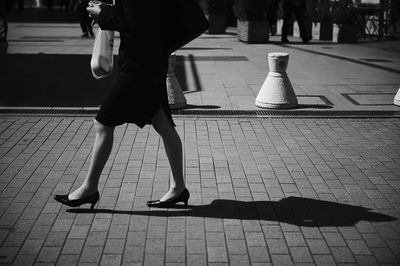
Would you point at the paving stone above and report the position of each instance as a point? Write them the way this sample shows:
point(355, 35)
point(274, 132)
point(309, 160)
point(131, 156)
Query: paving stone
point(217, 254)
point(79, 231)
point(239, 260)
point(324, 260)
point(237, 246)
point(96, 238)
point(334, 239)
point(154, 259)
point(281, 259)
point(31, 247)
point(196, 246)
point(7, 254)
point(277, 246)
point(294, 239)
point(342, 255)
point(366, 260)
point(155, 246)
point(114, 246)
point(49, 254)
point(358, 247)
point(133, 254)
point(384, 255)
point(91, 254)
point(196, 259)
point(259, 254)
point(300, 254)
point(111, 259)
point(24, 259)
point(73, 246)
point(175, 255)
point(317, 246)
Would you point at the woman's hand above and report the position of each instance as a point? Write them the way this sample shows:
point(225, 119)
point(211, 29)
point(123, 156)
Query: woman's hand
point(94, 9)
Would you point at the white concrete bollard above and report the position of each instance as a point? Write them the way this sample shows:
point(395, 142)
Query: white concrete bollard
point(277, 91)
point(176, 99)
point(396, 100)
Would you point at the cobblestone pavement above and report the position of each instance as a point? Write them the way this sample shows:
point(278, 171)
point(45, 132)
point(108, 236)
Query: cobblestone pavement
point(263, 191)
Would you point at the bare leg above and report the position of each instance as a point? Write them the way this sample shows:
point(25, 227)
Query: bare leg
point(173, 148)
point(101, 151)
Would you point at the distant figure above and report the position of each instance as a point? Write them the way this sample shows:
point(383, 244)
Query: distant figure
point(85, 20)
point(20, 4)
point(64, 4)
point(49, 4)
point(273, 15)
point(4, 6)
point(298, 8)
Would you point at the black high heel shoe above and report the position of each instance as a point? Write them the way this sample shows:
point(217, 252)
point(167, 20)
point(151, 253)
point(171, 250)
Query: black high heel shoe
point(183, 197)
point(92, 199)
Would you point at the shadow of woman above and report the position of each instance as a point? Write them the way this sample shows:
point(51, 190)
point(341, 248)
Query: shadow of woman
point(292, 210)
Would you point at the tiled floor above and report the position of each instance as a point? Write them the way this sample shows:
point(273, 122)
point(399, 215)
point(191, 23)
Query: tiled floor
point(263, 191)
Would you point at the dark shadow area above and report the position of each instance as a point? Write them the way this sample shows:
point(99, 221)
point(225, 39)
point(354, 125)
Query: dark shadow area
point(216, 37)
point(192, 106)
point(204, 48)
point(3, 49)
point(356, 61)
point(181, 75)
point(180, 72)
point(42, 15)
point(299, 42)
point(229, 33)
point(195, 73)
point(10, 229)
point(315, 106)
point(45, 80)
point(292, 210)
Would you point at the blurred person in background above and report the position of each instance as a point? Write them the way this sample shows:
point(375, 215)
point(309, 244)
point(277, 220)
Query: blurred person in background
point(5, 5)
point(84, 19)
point(273, 15)
point(298, 8)
point(65, 4)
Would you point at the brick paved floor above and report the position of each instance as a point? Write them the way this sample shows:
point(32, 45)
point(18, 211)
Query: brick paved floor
point(263, 191)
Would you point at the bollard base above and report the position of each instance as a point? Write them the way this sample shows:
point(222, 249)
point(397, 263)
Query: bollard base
point(276, 106)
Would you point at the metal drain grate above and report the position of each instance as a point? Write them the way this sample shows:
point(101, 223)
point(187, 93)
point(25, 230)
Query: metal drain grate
point(216, 113)
point(285, 113)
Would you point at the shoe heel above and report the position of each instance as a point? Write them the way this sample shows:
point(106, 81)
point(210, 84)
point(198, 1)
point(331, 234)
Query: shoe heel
point(186, 197)
point(93, 204)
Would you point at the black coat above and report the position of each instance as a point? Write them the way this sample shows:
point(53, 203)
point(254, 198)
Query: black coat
point(139, 23)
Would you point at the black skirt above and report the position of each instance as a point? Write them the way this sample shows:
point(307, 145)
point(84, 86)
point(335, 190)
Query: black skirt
point(135, 98)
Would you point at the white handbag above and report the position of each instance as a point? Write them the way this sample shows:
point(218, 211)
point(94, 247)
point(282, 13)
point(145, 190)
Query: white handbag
point(102, 57)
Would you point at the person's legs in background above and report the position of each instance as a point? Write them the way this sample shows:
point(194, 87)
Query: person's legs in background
point(287, 22)
point(300, 15)
point(84, 20)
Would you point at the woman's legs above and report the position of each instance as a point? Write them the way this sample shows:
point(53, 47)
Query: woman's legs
point(173, 148)
point(101, 151)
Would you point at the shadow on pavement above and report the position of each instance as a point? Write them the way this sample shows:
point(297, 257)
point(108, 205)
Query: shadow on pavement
point(42, 15)
point(316, 106)
point(292, 210)
point(192, 106)
point(48, 80)
point(3, 49)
